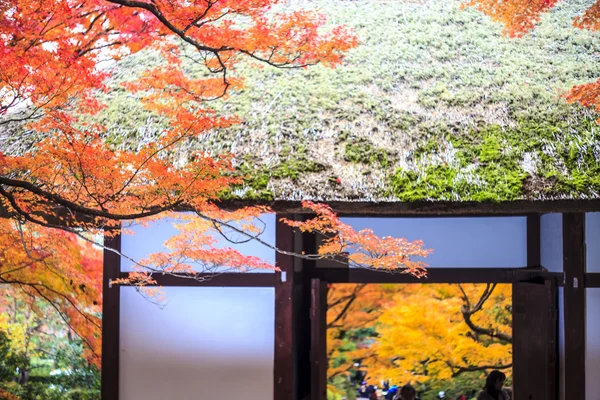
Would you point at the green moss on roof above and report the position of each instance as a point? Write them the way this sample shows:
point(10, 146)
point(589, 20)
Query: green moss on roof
point(434, 105)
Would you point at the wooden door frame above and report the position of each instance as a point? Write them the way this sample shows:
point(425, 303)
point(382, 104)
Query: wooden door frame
point(532, 272)
point(290, 287)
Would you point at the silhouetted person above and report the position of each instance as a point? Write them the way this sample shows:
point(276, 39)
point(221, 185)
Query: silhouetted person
point(493, 387)
point(407, 392)
point(362, 391)
point(392, 392)
point(367, 391)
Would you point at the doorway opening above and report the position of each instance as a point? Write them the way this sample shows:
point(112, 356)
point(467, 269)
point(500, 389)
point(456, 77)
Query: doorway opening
point(440, 338)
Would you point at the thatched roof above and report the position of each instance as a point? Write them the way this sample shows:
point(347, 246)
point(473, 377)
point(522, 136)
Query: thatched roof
point(435, 104)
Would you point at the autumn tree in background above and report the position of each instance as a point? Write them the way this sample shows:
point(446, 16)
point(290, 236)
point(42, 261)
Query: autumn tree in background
point(435, 336)
point(455, 329)
point(352, 310)
point(40, 356)
point(64, 183)
point(519, 17)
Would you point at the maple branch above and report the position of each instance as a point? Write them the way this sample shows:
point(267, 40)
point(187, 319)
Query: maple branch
point(160, 16)
point(155, 210)
point(456, 370)
point(57, 293)
point(184, 135)
point(100, 47)
point(65, 318)
point(289, 64)
point(249, 237)
point(209, 5)
point(216, 51)
point(351, 299)
point(217, 223)
point(467, 312)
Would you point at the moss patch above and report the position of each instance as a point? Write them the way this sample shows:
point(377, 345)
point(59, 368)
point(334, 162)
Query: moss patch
point(545, 158)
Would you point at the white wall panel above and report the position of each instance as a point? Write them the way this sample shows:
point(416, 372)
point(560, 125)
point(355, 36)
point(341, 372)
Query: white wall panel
point(148, 240)
point(207, 343)
point(592, 234)
point(459, 242)
point(551, 242)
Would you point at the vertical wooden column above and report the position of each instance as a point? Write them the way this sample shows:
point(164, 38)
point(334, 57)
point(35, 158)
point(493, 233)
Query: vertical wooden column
point(318, 340)
point(574, 304)
point(534, 249)
point(304, 322)
point(111, 297)
point(284, 346)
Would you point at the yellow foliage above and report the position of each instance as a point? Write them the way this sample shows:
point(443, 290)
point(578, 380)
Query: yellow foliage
point(422, 330)
point(424, 335)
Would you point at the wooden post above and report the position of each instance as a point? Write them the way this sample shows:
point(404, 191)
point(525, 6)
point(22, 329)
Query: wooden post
point(111, 297)
point(303, 306)
point(574, 304)
point(534, 341)
point(284, 355)
point(318, 339)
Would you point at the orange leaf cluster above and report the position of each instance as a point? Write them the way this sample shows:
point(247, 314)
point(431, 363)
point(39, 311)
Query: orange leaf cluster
point(364, 248)
point(587, 95)
point(4, 395)
point(50, 69)
point(517, 16)
point(56, 267)
point(520, 17)
point(70, 179)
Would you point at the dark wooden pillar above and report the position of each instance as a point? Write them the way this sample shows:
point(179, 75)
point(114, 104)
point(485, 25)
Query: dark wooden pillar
point(284, 287)
point(110, 320)
point(534, 341)
point(574, 304)
point(534, 250)
point(304, 323)
point(318, 340)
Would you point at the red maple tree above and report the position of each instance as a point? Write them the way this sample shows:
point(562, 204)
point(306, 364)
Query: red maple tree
point(63, 184)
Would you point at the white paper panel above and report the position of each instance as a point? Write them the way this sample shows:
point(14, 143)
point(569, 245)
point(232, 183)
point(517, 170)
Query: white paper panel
point(592, 235)
point(459, 242)
point(207, 343)
point(150, 240)
point(551, 242)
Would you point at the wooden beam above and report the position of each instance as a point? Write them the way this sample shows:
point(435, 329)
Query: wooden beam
point(241, 279)
point(574, 304)
point(284, 332)
point(111, 295)
point(436, 275)
point(388, 209)
point(534, 250)
point(592, 280)
point(430, 208)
